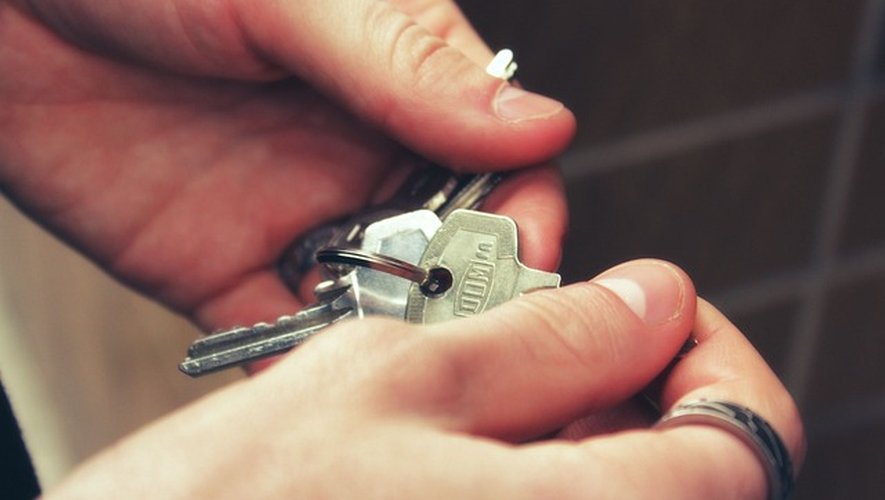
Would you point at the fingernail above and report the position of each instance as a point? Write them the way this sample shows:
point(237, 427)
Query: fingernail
point(653, 290)
point(514, 104)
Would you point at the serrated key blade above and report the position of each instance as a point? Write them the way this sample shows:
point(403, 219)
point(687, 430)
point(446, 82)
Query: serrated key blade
point(316, 314)
point(241, 345)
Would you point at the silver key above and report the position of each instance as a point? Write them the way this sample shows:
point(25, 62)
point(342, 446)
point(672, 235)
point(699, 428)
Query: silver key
point(403, 237)
point(239, 345)
point(472, 265)
point(357, 293)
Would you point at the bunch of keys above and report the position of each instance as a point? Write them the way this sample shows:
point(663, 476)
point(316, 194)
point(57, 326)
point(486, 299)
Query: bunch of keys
point(412, 266)
point(425, 256)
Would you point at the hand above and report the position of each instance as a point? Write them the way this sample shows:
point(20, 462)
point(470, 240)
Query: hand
point(380, 409)
point(183, 144)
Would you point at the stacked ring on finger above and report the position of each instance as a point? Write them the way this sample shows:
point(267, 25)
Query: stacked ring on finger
point(749, 428)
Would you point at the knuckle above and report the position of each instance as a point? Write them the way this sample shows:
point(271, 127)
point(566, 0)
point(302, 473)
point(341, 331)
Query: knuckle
point(440, 17)
point(413, 54)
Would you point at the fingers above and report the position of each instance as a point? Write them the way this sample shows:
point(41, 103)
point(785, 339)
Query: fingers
point(700, 461)
point(535, 363)
point(725, 366)
point(381, 64)
point(413, 67)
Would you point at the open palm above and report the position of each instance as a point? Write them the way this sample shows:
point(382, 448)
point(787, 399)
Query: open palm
point(186, 170)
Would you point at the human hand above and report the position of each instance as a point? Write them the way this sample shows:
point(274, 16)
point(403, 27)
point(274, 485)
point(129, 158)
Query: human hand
point(183, 144)
point(379, 409)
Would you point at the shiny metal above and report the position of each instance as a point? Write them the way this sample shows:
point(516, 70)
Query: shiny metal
point(428, 188)
point(479, 251)
point(747, 426)
point(402, 238)
point(356, 292)
point(470, 192)
point(372, 260)
point(240, 345)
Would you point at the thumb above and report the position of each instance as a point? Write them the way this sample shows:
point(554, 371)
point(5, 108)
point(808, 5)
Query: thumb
point(379, 62)
point(547, 358)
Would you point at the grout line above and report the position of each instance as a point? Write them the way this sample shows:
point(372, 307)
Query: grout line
point(844, 417)
point(756, 295)
point(642, 147)
point(858, 266)
point(666, 141)
point(848, 142)
point(793, 285)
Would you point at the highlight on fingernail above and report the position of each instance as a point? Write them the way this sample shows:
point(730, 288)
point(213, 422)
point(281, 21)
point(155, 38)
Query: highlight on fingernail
point(652, 289)
point(515, 104)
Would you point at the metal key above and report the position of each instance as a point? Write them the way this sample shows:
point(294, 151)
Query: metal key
point(401, 238)
point(490, 261)
point(239, 345)
point(472, 265)
point(357, 293)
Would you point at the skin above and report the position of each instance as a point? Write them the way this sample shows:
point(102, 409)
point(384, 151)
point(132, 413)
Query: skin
point(182, 145)
point(381, 409)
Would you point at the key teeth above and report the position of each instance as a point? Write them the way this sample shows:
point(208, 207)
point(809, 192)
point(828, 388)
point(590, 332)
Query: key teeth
point(191, 367)
point(329, 290)
point(221, 337)
point(241, 345)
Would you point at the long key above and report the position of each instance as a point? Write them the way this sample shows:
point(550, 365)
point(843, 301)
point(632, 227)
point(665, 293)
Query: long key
point(239, 345)
point(472, 264)
point(357, 293)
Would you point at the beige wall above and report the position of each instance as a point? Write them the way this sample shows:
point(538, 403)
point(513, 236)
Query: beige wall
point(85, 360)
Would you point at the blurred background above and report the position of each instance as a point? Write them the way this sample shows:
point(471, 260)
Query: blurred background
point(745, 141)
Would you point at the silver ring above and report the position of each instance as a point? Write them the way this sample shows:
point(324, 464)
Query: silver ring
point(749, 428)
point(372, 260)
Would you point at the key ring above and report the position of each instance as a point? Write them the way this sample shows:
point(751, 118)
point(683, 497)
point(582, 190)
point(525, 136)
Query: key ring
point(433, 283)
point(372, 260)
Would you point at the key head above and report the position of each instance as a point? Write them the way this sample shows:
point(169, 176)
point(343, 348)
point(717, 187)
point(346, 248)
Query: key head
point(403, 237)
point(473, 265)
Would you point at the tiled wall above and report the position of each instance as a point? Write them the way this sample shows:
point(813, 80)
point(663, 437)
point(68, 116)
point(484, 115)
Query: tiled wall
point(746, 142)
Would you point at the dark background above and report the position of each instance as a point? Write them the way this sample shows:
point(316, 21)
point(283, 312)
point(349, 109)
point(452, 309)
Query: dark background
point(744, 141)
